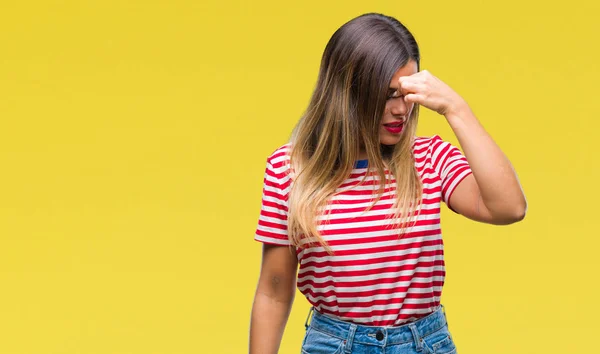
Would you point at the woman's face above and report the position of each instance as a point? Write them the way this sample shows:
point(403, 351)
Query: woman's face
point(396, 110)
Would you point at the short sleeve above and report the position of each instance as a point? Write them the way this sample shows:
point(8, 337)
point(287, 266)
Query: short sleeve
point(272, 222)
point(450, 164)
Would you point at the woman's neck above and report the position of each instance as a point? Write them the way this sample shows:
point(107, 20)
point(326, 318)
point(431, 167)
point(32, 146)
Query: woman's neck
point(362, 155)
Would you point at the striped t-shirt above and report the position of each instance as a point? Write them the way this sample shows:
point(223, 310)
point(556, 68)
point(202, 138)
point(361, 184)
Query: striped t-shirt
point(374, 277)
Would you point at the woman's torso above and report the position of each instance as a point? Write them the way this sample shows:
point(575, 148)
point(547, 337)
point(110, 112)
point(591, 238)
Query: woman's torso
point(375, 277)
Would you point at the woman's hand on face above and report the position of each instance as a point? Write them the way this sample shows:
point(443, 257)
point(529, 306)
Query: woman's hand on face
point(429, 91)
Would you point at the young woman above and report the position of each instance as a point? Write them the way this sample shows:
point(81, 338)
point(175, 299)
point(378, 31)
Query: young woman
point(354, 198)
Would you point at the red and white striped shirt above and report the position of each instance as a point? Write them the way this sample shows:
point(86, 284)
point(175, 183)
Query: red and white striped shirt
point(375, 277)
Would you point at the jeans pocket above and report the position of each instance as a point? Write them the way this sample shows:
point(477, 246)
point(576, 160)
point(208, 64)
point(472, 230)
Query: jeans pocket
point(317, 342)
point(441, 342)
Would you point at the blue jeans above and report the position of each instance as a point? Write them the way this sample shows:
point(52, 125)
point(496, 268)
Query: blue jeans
point(427, 335)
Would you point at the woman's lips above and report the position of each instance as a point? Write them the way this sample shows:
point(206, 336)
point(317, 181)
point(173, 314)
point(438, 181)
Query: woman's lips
point(394, 128)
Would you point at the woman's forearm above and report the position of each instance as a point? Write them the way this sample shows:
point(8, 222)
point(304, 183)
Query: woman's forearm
point(267, 324)
point(500, 189)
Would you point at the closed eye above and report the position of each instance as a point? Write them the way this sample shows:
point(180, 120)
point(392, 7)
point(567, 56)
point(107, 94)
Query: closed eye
point(393, 94)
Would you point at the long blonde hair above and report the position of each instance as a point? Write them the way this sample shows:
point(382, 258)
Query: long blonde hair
point(345, 112)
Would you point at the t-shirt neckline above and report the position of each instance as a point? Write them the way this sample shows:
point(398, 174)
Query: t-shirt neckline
point(361, 163)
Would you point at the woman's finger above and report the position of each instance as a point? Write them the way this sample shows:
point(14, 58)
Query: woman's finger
point(414, 98)
point(406, 87)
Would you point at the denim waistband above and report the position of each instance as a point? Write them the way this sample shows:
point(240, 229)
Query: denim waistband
point(379, 336)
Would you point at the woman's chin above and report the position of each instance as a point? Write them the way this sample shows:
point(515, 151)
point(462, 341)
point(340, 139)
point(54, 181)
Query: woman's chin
point(390, 140)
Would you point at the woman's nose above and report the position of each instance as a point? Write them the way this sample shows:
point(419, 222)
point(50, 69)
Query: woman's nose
point(399, 107)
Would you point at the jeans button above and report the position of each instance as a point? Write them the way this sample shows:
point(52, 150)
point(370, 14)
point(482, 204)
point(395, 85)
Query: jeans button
point(379, 335)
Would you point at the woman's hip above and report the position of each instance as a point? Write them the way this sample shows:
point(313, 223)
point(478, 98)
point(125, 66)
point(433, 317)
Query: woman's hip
point(427, 335)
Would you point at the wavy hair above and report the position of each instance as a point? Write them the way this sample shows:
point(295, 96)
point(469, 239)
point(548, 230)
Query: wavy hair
point(343, 116)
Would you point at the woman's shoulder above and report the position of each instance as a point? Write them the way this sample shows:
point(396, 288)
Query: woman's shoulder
point(427, 140)
point(278, 162)
point(280, 155)
point(426, 143)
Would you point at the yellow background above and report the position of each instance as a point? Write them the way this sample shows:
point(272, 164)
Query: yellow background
point(133, 141)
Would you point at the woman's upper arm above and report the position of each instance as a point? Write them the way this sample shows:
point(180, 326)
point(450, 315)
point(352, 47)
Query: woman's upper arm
point(278, 272)
point(466, 200)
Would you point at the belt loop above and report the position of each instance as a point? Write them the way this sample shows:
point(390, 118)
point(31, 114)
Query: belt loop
point(308, 317)
point(444, 311)
point(417, 338)
point(350, 339)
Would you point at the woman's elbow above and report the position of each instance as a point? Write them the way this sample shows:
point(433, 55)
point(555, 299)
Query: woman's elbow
point(513, 214)
point(519, 213)
point(521, 209)
point(506, 212)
